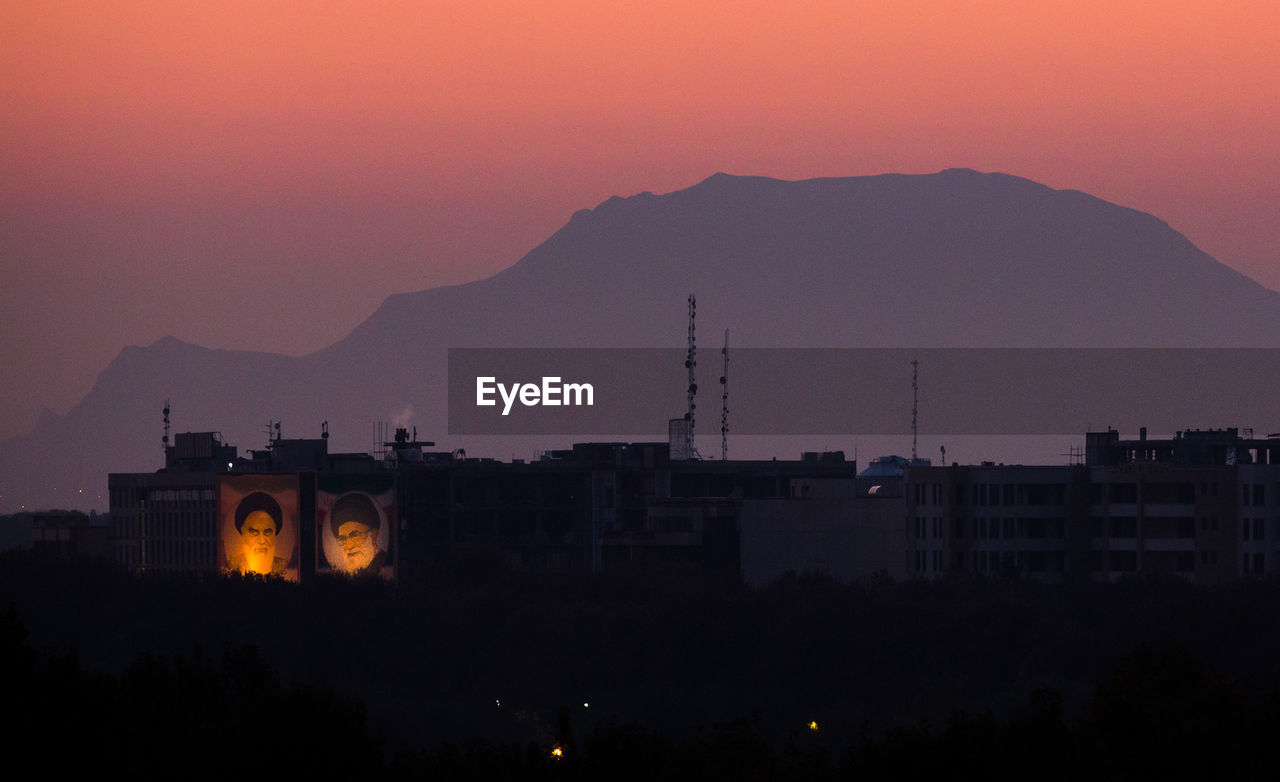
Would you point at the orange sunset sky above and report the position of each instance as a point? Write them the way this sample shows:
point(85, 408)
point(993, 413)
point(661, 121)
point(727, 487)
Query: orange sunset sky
point(260, 175)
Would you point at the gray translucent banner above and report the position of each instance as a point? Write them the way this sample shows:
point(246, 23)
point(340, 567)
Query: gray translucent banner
point(781, 391)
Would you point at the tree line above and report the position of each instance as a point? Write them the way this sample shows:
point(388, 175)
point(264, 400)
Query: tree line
point(646, 673)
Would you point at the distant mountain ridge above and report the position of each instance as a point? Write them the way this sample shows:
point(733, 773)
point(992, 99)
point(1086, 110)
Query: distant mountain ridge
point(958, 258)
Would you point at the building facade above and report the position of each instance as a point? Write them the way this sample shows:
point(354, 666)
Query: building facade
point(1202, 506)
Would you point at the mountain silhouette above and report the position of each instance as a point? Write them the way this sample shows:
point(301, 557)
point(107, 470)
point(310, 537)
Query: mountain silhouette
point(953, 259)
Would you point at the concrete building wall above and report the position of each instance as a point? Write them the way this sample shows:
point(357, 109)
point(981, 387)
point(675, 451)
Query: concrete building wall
point(164, 520)
point(848, 538)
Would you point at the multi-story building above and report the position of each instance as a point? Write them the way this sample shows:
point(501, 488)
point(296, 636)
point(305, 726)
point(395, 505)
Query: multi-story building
point(595, 505)
point(845, 529)
point(587, 508)
point(1201, 505)
point(169, 519)
point(166, 519)
point(69, 534)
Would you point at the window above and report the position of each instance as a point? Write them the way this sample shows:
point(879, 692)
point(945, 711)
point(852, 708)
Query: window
point(1124, 493)
point(1124, 527)
point(1124, 561)
point(1037, 561)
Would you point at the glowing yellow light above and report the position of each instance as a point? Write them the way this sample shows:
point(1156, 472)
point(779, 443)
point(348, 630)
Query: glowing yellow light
point(557, 752)
point(813, 725)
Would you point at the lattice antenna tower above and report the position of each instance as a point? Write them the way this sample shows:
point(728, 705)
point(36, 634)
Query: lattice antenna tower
point(724, 400)
point(915, 403)
point(690, 363)
point(380, 450)
point(165, 440)
point(272, 430)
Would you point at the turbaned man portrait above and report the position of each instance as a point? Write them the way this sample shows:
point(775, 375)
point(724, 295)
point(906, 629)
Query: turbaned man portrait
point(356, 524)
point(258, 521)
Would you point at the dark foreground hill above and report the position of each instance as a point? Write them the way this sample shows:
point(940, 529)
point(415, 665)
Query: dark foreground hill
point(958, 258)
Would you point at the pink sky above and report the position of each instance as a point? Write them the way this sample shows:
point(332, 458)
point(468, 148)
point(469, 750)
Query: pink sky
point(261, 175)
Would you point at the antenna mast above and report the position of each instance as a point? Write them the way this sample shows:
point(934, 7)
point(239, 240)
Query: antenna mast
point(272, 430)
point(380, 440)
point(165, 439)
point(690, 362)
point(724, 401)
point(915, 403)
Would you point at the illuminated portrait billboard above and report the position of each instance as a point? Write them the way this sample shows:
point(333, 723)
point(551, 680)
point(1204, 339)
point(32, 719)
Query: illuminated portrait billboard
point(355, 524)
point(258, 527)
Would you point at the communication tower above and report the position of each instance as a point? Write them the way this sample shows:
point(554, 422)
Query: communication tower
point(724, 400)
point(915, 403)
point(272, 430)
point(690, 363)
point(380, 448)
